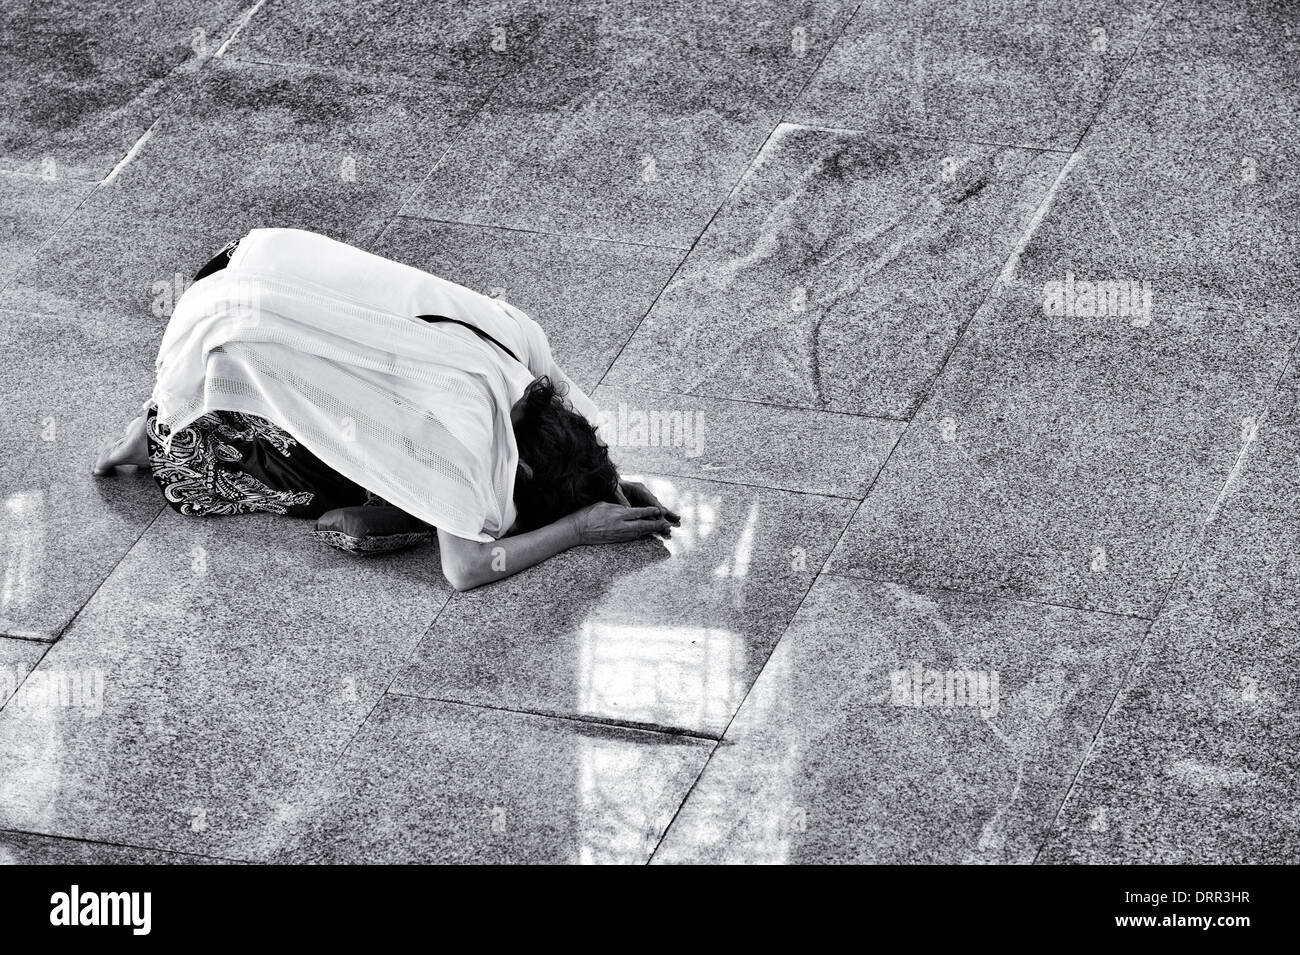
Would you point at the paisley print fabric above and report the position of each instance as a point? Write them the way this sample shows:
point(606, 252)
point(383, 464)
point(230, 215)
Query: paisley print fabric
point(201, 474)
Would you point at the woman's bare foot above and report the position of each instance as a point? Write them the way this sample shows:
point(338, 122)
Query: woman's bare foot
point(131, 448)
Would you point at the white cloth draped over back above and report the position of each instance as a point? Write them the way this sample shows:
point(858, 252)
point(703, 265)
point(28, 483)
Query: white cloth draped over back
point(321, 338)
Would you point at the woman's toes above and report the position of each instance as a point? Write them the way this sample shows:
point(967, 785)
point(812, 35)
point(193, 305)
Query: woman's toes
point(131, 448)
point(103, 461)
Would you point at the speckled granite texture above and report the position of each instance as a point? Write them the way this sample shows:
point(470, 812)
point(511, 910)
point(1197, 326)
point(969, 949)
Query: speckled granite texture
point(962, 334)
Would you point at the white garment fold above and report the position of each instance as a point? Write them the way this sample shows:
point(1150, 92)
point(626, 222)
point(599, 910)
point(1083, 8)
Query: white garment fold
point(321, 338)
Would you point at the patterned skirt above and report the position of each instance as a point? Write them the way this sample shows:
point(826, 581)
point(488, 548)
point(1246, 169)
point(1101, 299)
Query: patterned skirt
point(232, 463)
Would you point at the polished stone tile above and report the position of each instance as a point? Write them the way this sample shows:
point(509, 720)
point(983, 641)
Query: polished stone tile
point(655, 633)
point(24, 848)
point(428, 782)
point(235, 658)
point(1109, 827)
point(472, 43)
point(246, 146)
point(1020, 72)
point(17, 658)
point(840, 272)
point(1210, 710)
point(588, 296)
point(1068, 459)
point(814, 452)
point(790, 35)
point(1212, 248)
point(832, 757)
point(31, 209)
point(82, 81)
point(68, 385)
point(1187, 178)
point(637, 144)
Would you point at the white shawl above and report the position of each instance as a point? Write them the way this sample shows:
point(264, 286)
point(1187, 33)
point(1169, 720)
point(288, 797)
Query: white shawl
point(321, 338)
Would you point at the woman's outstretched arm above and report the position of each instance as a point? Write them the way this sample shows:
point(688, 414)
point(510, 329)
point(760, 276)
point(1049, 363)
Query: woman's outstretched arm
point(467, 564)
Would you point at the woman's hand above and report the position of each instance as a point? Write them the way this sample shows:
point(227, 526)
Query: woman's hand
point(605, 523)
point(638, 495)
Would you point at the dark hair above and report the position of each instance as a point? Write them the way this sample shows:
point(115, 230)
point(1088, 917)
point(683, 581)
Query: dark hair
point(564, 465)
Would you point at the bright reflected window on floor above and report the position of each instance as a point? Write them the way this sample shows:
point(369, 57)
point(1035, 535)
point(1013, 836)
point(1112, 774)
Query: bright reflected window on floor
point(22, 535)
point(649, 674)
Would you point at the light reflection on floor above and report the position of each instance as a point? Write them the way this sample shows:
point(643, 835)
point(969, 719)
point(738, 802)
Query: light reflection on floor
point(642, 670)
point(22, 542)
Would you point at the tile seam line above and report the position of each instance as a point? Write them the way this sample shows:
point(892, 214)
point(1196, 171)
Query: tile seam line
point(17, 689)
point(758, 675)
point(1156, 15)
point(398, 670)
point(673, 392)
point(988, 595)
point(603, 240)
point(812, 74)
point(131, 153)
point(705, 478)
point(384, 76)
point(1004, 277)
point(660, 729)
point(686, 254)
point(740, 179)
point(999, 282)
point(1083, 760)
point(94, 187)
point(4, 830)
point(244, 20)
point(1238, 469)
point(6, 635)
point(956, 140)
point(452, 142)
point(1184, 565)
point(167, 99)
point(103, 580)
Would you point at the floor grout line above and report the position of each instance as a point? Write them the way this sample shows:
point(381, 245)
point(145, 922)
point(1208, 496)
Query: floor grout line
point(633, 470)
point(655, 729)
point(1119, 77)
point(452, 143)
point(987, 595)
point(758, 674)
point(577, 237)
point(18, 686)
point(398, 670)
point(634, 386)
point(82, 840)
point(162, 508)
point(955, 140)
point(1101, 723)
point(1184, 566)
point(131, 153)
point(379, 233)
point(986, 303)
point(244, 20)
point(167, 100)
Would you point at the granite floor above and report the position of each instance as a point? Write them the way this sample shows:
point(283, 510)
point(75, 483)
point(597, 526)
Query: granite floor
point(980, 561)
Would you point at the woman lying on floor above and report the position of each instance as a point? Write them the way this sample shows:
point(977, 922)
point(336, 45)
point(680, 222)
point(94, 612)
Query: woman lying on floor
point(302, 376)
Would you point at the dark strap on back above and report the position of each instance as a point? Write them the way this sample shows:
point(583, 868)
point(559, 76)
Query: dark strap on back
point(476, 330)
